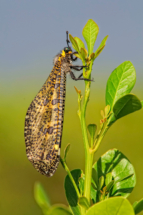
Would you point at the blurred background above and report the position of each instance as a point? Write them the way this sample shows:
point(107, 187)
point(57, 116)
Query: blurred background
point(31, 34)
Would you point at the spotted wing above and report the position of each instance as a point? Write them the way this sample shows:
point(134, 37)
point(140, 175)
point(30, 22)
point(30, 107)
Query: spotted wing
point(44, 122)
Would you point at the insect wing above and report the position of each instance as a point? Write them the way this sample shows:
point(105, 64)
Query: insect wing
point(44, 122)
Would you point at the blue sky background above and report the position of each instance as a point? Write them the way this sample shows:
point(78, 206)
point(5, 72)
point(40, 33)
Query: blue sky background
point(33, 32)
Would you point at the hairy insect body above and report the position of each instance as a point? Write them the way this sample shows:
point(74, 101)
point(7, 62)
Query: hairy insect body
point(44, 119)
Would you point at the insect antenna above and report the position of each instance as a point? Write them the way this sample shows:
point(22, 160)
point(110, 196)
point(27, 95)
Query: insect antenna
point(67, 39)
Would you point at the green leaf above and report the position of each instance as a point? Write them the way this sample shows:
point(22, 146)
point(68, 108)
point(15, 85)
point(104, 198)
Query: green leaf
point(109, 186)
point(142, 103)
point(78, 56)
point(41, 197)
point(74, 43)
point(93, 195)
point(90, 32)
point(101, 47)
point(62, 162)
point(120, 82)
point(66, 151)
point(138, 206)
point(93, 192)
point(79, 42)
point(81, 185)
point(43, 201)
point(71, 195)
point(107, 110)
point(95, 176)
point(84, 53)
point(59, 210)
point(91, 57)
point(126, 105)
point(92, 129)
point(117, 163)
point(94, 186)
point(101, 182)
point(83, 202)
point(124, 178)
point(134, 204)
point(112, 206)
point(108, 178)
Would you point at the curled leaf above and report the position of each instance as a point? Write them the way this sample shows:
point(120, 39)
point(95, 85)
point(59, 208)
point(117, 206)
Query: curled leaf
point(109, 186)
point(107, 110)
point(83, 202)
point(78, 91)
point(101, 182)
point(92, 129)
point(66, 151)
point(102, 113)
point(84, 53)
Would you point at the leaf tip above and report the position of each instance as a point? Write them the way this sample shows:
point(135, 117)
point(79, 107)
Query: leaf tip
point(78, 91)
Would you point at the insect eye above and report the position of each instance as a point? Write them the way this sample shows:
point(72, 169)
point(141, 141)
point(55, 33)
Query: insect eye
point(67, 49)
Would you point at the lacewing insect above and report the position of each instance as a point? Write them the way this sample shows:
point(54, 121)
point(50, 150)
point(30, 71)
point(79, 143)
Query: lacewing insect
point(45, 115)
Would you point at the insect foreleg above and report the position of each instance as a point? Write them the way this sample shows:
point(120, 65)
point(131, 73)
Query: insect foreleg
point(73, 59)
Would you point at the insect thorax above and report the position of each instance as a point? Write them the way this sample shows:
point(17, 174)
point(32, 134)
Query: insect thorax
point(64, 59)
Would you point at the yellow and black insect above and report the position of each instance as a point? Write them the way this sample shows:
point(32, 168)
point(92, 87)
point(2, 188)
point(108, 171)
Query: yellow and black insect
point(44, 117)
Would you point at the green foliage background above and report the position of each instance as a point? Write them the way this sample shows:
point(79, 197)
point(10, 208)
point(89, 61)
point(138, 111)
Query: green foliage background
point(18, 175)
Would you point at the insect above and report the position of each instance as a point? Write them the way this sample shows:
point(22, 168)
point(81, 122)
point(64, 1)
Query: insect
point(44, 117)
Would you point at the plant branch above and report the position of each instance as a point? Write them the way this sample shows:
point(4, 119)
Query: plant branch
point(88, 155)
point(70, 176)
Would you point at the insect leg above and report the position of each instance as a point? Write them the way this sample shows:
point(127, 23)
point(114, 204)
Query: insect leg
point(76, 67)
point(73, 59)
point(79, 78)
point(80, 75)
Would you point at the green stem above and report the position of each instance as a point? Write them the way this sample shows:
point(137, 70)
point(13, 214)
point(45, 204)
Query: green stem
point(86, 147)
point(70, 176)
point(88, 155)
point(88, 175)
point(88, 152)
point(91, 142)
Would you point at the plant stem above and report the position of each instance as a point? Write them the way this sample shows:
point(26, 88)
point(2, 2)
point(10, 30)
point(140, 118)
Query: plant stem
point(70, 176)
point(91, 142)
point(88, 175)
point(88, 154)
